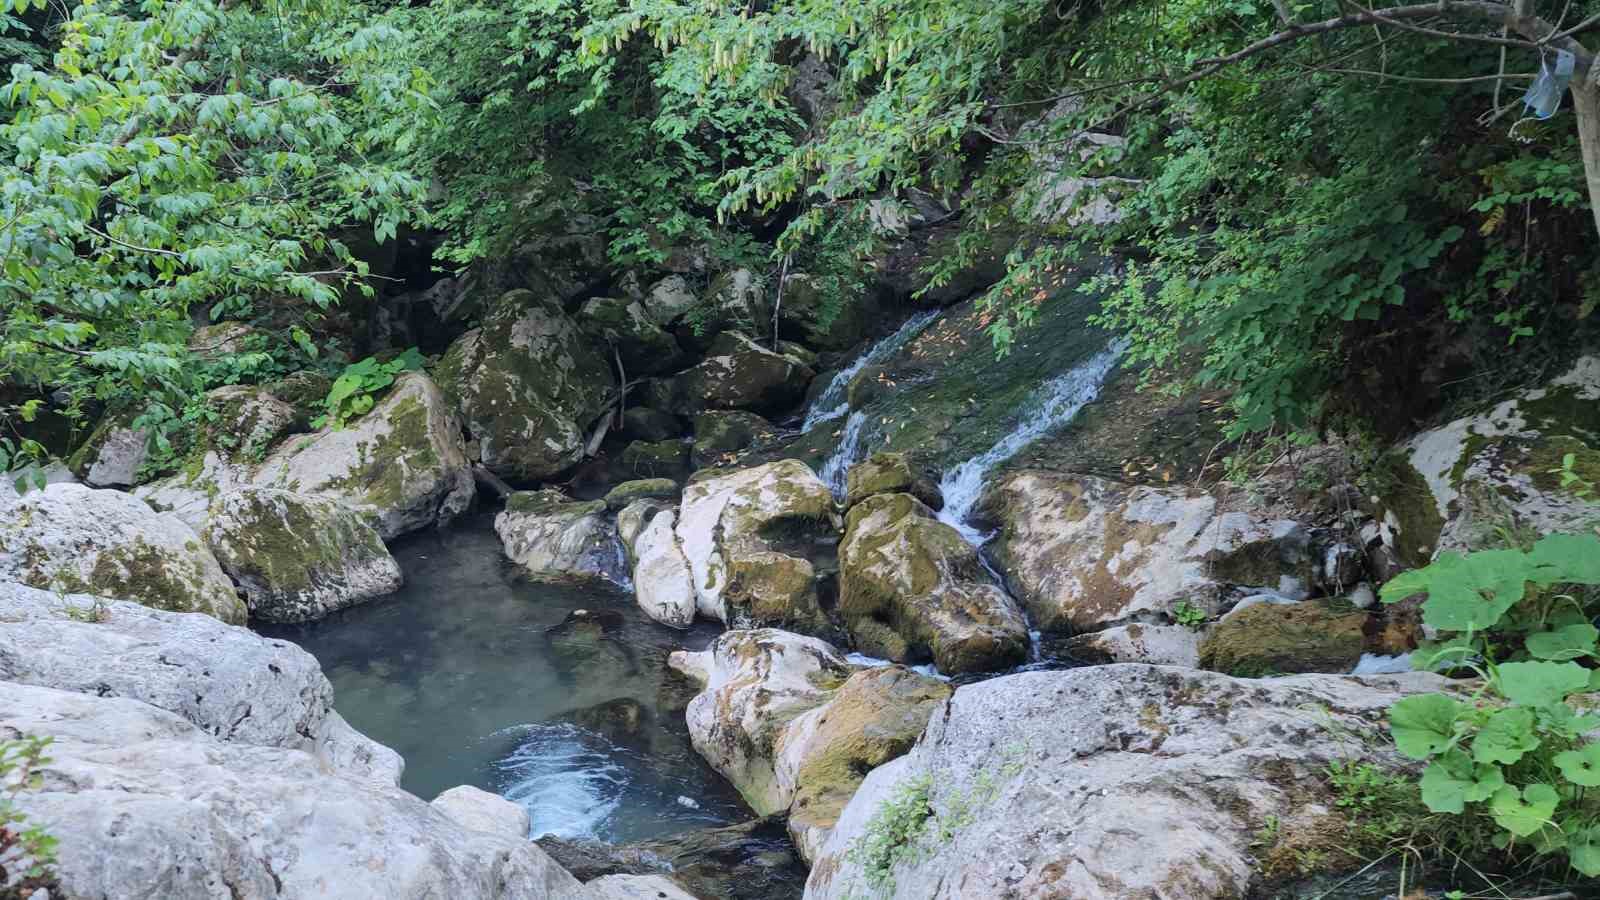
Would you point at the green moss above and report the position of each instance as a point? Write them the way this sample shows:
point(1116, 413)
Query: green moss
point(148, 575)
point(1271, 639)
point(1543, 463)
point(549, 501)
point(281, 546)
point(1402, 492)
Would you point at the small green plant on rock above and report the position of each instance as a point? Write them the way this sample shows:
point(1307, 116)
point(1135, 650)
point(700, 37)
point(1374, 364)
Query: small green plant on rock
point(1188, 615)
point(892, 835)
point(27, 852)
point(359, 385)
point(1513, 752)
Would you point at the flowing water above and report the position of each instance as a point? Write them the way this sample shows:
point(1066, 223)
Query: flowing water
point(1055, 403)
point(583, 728)
point(847, 454)
point(831, 403)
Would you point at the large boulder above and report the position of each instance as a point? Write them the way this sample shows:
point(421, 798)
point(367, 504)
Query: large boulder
point(146, 804)
point(825, 753)
point(890, 473)
point(911, 588)
point(552, 535)
point(403, 465)
point(756, 683)
point(1286, 638)
point(625, 327)
point(738, 373)
point(230, 683)
point(527, 384)
point(669, 300)
point(70, 538)
point(1105, 782)
point(754, 539)
point(1084, 553)
point(662, 582)
point(246, 423)
point(825, 322)
point(1450, 487)
point(298, 558)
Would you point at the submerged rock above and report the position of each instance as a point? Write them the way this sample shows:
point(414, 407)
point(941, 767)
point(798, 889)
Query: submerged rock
point(753, 539)
point(1449, 487)
point(550, 534)
point(1084, 553)
point(912, 588)
point(1286, 638)
point(402, 465)
point(527, 384)
point(298, 558)
point(74, 539)
point(1105, 782)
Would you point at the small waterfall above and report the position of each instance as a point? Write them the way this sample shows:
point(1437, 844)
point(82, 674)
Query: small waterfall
point(831, 403)
point(845, 455)
point(1060, 399)
point(569, 787)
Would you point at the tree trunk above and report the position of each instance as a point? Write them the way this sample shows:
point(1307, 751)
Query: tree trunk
point(1586, 106)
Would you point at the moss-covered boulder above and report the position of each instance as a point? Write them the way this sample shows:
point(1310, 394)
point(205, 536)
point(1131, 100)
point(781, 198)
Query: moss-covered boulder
point(112, 455)
point(403, 465)
point(621, 496)
point(825, 322)
point(758, 541)
point(654, 459)
point(738, 373)
point(641, 423)
point(902, 568)
point(669, 300)
point(1285, 639)
point(298, 558)
point(625, 326)
point(720, 435)
point(552, 535)
point(890, 473)
point(1085, 553)
point(527, 384)
point(825, 754)
point(735, 299)
point(1452, 487)
point(67, 537)
point(755, 682)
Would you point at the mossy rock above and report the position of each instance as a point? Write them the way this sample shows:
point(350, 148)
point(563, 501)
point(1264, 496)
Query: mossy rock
point(719, 436)
point(623, 325)
point(305, 390)
point(1285, 639)
point(890, 473)
point(738, 373)
point(820, 321)
point(641, 423)
point(628, 492)
point(656, 459)
point(298, 558)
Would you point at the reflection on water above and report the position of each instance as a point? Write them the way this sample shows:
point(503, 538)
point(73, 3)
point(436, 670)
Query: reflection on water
point(583, 727)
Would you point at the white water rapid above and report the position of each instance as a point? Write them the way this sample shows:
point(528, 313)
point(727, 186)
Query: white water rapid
point(831, 403)
point(837, 466)
point(1057, 401)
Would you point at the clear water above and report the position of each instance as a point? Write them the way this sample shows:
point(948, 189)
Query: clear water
point(1055, 403)
point(831, 403)
point(457, 673)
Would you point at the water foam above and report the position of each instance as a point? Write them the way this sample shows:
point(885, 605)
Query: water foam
point(565, 778)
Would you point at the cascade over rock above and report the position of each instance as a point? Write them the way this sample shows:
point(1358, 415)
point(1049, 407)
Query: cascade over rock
point(298, 558)
point(75, 539)
point(754, 539)
point(402, 465)
point(1444, 488)
point(549, 534)
point(912, 588)
point(1084, 553)
point(527, 384)
point(1110, 782)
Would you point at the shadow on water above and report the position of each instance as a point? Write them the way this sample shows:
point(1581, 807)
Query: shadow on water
point(479, 676)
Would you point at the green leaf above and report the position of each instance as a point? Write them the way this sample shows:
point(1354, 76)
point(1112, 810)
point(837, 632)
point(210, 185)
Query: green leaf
point(1526, 811)
point(1581, 766)
point(1567, 558)
point(1541, 683)
point(1425, 724)
point(1566, 643)
point(1506, 737)
point(1583, 850)
point(1452, 781)
point(1465, 593)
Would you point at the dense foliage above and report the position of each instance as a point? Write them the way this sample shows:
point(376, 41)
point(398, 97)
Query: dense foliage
point(1278, 219)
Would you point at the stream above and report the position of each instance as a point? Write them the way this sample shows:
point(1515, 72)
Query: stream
point(457, 674)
